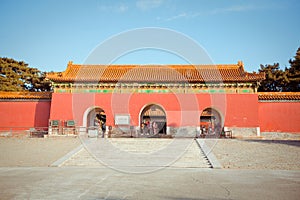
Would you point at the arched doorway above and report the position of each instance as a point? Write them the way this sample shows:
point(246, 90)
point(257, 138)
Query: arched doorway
point(96, 117)
point(211, 121)
point(153, 120)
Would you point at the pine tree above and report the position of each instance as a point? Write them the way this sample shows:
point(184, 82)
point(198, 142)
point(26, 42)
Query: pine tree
point(293, 73)
point(18, 76)
point(276, 78)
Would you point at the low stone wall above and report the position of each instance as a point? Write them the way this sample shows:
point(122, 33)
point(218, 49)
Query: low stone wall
point(244, 131)
point(280, 136)
point(172, 132)
point(123, 132)
point(15, 133)
point(186, 132)
point(183, 132)
point(192, 132)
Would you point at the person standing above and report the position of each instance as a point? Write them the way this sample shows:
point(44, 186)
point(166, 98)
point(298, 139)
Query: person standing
point(155, 128)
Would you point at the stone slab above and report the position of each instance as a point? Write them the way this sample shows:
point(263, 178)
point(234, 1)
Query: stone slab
point(185, 183)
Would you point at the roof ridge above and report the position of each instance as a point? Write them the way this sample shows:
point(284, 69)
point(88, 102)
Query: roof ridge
point(154, 72)
point(176, 66)
point(278, 96)
point(72, 64)
point(279, 93)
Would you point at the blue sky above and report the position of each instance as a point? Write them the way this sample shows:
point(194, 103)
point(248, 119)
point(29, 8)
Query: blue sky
point(48, 34)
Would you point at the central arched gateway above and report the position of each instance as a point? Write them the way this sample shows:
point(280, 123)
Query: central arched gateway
point(211, 121)
point(153, 120)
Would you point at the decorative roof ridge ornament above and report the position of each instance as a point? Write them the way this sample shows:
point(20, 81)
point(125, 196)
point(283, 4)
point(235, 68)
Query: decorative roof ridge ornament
point(240, 64)
point(70, 63)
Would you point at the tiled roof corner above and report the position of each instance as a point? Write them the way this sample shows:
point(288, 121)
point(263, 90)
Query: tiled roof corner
point(25, 95)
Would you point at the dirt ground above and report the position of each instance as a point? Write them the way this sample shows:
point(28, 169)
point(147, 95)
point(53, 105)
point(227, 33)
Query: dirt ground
point(257, 154)
point(37, 152)
point(231, 153)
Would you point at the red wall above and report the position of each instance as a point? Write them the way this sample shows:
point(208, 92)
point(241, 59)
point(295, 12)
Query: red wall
point(22, 115)
point(240, 110)
point(237, 110)
point(279, 116)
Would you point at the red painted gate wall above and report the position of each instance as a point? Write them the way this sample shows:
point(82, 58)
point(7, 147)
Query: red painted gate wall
point(239, 110)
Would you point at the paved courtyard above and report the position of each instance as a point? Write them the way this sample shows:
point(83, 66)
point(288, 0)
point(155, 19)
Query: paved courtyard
point(137, 155)
point(250, 169)
point(103, 183)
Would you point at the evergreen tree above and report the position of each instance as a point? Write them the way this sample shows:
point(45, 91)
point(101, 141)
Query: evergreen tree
point(276, 78)
point(293, 73)
point(18, 76)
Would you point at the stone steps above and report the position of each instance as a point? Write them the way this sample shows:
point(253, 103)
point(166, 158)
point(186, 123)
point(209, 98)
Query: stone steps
point(138, 154)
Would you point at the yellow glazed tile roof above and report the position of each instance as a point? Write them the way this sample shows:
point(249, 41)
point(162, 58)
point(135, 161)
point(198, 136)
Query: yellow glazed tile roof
point(25, 95)
point(279, 96)
point(154, 73)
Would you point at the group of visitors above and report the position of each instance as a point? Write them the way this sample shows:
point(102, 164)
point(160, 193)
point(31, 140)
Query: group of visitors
point(149, 127)
point(211, 129)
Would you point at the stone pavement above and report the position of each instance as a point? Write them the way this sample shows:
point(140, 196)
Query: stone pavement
point(137, 155)
point(145, 169)
point(167, 183)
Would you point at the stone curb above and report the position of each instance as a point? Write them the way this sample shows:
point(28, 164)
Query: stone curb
point(209, 154)
point(63, 159)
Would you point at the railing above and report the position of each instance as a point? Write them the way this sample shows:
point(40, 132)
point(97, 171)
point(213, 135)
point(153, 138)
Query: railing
point(23, 131)
point(26, 131)
point(63, 130)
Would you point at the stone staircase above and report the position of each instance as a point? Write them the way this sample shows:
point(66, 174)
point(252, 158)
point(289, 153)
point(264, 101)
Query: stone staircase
point(138, 154)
